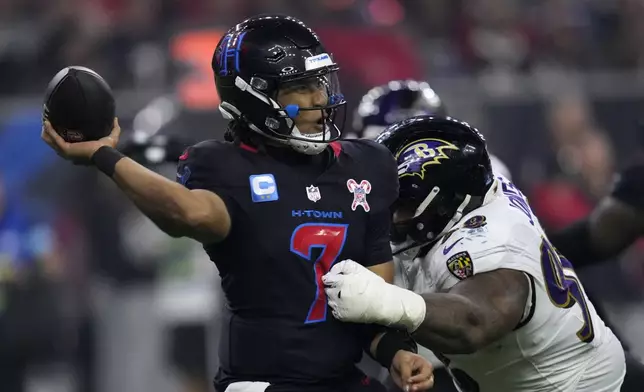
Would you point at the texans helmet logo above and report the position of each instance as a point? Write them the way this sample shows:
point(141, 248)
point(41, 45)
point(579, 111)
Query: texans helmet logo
point(416, 156)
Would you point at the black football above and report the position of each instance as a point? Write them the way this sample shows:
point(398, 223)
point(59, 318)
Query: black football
point(79, 105)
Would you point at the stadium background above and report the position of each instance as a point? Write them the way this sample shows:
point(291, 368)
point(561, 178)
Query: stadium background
point(94, 298)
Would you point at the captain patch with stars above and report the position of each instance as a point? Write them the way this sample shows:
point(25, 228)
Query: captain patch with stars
point(460, 265)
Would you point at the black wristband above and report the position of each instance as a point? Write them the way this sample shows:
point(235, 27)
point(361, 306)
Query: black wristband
point(391, 342)
point(105, 159)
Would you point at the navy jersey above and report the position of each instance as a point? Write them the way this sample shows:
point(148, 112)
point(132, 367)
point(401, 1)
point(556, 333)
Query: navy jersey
point(293, 217)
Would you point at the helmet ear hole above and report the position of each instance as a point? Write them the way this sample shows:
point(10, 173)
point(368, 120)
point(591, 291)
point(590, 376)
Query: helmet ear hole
point(258, 83)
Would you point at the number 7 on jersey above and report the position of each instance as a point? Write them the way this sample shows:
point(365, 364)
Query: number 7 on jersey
point(328, 237)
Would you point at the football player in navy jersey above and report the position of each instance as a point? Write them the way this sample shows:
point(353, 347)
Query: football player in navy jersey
point(275, 207)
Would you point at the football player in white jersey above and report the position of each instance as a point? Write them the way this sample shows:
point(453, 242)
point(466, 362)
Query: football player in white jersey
point(383, 106)
point(487, 292)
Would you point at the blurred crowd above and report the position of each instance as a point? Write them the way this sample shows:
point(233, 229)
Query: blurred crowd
point(86, 281)
point(122, 39)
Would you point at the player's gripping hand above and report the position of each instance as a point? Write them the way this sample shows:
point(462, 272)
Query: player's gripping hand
point(79, 153)
point(358, 295)
point(411, 372)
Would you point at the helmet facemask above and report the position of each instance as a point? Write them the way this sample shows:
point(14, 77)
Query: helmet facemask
point(277, 102)
point(323, 88)
point(423, 222)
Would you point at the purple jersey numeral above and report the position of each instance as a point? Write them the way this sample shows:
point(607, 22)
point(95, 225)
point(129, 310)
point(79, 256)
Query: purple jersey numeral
point(517, 199)
point(565, 290)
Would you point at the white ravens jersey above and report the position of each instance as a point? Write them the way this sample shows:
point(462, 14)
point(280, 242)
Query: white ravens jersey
point(561, 343)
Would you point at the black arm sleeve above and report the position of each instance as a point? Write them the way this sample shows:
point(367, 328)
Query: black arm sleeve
point(629, 187)
point(575, 244)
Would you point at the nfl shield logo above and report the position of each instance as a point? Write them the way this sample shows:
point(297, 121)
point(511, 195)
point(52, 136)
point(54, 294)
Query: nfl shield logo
point(313, 193)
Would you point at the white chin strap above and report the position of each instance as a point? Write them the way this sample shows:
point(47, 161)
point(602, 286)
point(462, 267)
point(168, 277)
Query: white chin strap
point(410, 248)
point(455, 218)
point(458, 215)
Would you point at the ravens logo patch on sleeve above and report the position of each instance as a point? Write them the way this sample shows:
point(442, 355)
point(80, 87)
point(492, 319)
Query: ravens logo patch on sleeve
point(475, 222)
point(460, 265)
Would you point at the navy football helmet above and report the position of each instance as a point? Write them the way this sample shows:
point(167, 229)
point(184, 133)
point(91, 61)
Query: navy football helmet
point(264, 55)
point(393, 102)
point(444, 172)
